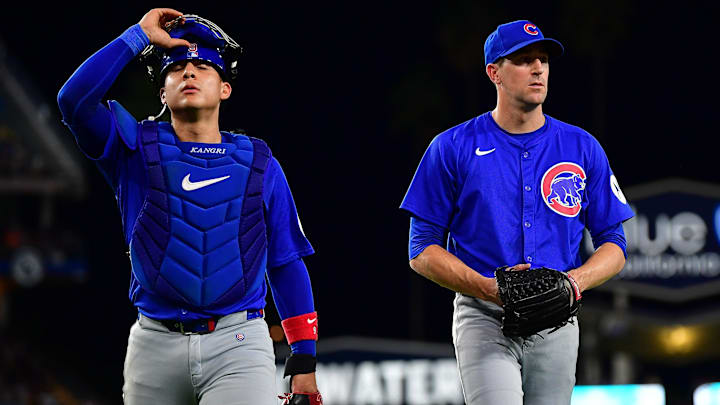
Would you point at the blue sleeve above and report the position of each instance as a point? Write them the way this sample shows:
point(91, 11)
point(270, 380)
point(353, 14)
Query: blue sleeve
point(614, 234)
point(422, 235)
point(607, 205)
point(433, 190)
point(293, 296)
point(80, 98)
point(286, 239)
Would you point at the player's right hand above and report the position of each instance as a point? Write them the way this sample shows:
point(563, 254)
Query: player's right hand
point(493, 293)
point(153, 24)
point(518, 267)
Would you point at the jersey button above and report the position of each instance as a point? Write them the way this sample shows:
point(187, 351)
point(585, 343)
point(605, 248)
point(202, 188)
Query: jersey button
point(527, 224)
point(528, 188)
point(526, 155)
point(529, 259)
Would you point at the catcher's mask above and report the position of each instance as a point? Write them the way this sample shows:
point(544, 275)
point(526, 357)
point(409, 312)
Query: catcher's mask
point(209, 43)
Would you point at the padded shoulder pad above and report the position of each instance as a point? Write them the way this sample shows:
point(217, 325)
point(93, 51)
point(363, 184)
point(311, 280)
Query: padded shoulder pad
point(265, 149)
point(126, 124)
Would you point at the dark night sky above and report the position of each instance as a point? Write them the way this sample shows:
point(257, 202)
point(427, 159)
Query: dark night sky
point(348, 95)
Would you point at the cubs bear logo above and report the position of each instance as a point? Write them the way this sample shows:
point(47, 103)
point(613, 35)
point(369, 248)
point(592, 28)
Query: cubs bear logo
point(561, 187)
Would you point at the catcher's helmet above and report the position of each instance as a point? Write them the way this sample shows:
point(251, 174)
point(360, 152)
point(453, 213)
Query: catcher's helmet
point(209, 43)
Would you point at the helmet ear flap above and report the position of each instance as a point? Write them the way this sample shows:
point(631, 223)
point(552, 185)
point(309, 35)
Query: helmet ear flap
point(151, 59)
point(232, 60)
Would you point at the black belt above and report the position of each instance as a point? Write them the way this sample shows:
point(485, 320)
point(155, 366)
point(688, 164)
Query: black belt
point(196, 326)
point(201, 326)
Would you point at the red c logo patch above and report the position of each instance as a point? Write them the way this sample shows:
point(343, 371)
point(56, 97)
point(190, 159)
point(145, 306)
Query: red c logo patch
point(530, 29)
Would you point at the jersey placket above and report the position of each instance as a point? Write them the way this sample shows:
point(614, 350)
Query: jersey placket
point(528, 200)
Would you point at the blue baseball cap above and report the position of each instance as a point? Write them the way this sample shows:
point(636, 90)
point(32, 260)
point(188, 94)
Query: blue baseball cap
point(510, 37)
point(207, 43)
point(196, 51)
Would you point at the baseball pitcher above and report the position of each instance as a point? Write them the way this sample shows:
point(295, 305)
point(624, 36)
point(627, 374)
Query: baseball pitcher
point(513, 190)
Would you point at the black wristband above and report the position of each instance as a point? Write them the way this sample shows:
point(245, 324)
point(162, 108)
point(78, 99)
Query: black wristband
point(300, 364)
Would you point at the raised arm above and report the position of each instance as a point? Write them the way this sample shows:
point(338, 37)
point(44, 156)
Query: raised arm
point(80, 98)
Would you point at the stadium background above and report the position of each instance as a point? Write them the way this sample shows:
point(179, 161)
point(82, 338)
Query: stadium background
point(348, 95)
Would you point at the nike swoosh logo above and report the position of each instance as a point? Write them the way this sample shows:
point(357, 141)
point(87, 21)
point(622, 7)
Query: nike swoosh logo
point(188, 185)
point(311, 320)
point(483, 152)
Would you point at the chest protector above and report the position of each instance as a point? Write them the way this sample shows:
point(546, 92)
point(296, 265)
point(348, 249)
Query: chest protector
point(200, 238)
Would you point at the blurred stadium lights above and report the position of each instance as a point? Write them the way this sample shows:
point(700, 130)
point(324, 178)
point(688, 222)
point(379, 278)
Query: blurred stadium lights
point(677, 340)
point(629, 394)
point(707, 394)
point(27, 267)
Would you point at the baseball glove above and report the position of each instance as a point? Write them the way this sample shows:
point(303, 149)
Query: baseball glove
point(536, 299)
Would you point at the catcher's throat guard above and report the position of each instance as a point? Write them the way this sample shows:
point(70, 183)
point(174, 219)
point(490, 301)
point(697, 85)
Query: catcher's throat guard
point(536, 299)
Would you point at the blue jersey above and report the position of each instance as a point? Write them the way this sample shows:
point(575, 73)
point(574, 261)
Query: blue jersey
point(110, 136)
point(508, 199)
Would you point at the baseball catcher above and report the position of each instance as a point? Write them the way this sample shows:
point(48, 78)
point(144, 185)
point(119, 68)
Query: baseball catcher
point(207, 216)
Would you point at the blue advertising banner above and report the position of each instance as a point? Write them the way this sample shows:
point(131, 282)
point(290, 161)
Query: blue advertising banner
point(673, 242)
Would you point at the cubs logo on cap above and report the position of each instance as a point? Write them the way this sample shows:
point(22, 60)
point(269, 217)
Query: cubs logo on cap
point(510, 37)
point(530, 29)
point(192, 51)
point(561, 187)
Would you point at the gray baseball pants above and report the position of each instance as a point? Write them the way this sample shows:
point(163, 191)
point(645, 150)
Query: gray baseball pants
point(494, 369)
point(235, 364)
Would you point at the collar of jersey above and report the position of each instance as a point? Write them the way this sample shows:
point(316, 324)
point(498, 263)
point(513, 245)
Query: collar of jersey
point(532, 137)
point(188, 146)
point(225, 138)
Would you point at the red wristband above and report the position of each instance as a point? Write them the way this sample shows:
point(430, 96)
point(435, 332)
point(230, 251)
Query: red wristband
point(576, 287)
point(301, 327)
